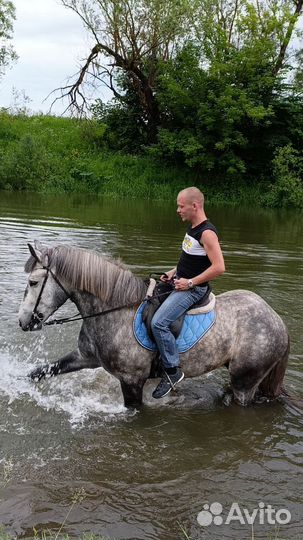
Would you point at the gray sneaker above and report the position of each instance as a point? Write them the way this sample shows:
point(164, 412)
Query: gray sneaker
point(168, 383)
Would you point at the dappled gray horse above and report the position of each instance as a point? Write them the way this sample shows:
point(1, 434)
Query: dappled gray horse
point(248, 336)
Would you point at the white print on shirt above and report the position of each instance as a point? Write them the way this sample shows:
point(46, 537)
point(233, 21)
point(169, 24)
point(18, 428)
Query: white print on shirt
point(191, 246)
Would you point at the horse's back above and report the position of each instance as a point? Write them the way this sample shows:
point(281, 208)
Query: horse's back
point(246, 301)
point(247, 305)
point(255, 324)
point(242, 297)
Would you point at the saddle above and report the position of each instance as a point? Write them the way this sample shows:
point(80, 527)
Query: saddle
point(160, 293)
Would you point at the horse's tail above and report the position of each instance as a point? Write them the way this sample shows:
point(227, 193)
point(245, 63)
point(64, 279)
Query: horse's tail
point(272, 384)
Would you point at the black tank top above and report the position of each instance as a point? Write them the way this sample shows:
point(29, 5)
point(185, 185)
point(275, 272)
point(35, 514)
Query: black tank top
point(193, 260)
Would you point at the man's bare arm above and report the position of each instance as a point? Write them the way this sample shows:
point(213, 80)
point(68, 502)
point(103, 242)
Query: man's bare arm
point(215, 255)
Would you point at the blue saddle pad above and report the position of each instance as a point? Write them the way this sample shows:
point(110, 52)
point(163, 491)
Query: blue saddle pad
point(193, 329)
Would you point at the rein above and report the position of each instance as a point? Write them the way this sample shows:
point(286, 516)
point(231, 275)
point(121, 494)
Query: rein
point(76, 317)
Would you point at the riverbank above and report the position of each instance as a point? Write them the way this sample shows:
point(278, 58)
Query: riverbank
point(61, 155)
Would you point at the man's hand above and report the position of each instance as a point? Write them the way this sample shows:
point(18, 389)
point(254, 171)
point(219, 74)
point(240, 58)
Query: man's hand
point(168, 276)
point(181, 284)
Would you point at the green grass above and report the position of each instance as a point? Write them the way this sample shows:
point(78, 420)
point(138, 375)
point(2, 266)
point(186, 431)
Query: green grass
point(51, 535)
point(55, 155)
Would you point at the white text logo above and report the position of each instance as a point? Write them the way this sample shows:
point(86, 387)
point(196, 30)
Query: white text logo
point(264, 513)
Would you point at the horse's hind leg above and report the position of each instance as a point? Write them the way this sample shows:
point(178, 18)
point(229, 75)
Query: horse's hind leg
point(267, 377)
point(70, 362)
point(244, 396)
point(244, 383)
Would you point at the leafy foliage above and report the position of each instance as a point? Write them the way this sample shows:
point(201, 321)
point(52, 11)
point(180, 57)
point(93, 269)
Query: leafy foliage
point(221, 98)
point(55, 155)
point(7, 16)
point(209, 90)
point(123, 128)
point(288, 173)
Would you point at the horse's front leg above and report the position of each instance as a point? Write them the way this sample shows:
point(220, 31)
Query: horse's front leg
point(132, 393)
point(70, 362)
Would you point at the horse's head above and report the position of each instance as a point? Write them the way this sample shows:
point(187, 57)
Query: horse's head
point(44, 293)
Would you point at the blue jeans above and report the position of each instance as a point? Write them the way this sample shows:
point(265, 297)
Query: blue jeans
point(172, 308)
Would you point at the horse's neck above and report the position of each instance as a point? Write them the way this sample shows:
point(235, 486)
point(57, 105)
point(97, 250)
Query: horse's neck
point(87, 303)
point(99, 328)
point(127, 290)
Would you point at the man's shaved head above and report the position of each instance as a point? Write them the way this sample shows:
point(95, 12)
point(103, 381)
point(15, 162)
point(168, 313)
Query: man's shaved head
point(193, 195)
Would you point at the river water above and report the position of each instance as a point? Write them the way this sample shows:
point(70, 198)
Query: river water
point(146, 475)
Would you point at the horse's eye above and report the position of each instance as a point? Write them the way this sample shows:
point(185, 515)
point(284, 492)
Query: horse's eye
point(33, 283)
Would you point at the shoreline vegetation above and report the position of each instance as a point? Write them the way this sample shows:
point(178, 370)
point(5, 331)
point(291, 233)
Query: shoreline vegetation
point(56, 155)
point(202, 93)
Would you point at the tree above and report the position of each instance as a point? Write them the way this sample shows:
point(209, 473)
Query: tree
point(223, 99)
point(133, 37)
point(7, 16)
point(248, 31)
point(209, 83)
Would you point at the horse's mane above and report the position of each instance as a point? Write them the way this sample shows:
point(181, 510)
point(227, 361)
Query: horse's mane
point(108, 279)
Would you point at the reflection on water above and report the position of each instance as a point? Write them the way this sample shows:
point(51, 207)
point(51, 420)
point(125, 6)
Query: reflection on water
point(145, 474)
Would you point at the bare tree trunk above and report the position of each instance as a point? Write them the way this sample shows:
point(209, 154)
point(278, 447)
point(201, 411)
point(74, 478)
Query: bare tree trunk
point(148, 105)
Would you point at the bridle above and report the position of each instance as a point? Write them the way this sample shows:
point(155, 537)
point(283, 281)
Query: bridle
point(36, 316)
point(36, 322)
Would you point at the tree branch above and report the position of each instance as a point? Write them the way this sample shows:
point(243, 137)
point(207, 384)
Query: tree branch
point(110, 86)
point(235, 13)
point(287, 37)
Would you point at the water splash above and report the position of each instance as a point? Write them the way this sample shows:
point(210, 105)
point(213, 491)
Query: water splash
point(80, 395)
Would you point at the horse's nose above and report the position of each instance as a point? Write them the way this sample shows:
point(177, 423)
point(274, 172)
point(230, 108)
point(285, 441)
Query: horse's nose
point(24, 328)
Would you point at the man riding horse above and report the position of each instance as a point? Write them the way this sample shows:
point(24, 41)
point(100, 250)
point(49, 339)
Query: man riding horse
point(247, 336)
point(201, 261)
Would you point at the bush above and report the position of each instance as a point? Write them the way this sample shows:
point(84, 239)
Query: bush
point(288, 172)
point(122, 128)
point(24, 165)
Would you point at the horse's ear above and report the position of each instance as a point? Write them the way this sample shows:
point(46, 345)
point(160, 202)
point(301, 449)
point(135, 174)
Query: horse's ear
point(35, 252)
point(38, 245)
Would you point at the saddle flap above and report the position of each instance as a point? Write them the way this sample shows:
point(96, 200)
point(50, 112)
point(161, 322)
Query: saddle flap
point(193, 329)
point(160, 293)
